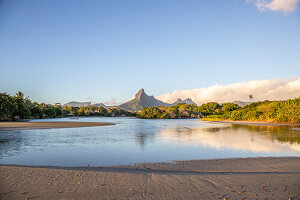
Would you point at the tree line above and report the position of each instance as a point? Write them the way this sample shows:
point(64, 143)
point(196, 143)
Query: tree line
point(268, 111)
point(183, 110)
point(18, 107)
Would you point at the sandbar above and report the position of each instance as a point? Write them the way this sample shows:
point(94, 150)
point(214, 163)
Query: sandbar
point(239, 178)
point(47, 125)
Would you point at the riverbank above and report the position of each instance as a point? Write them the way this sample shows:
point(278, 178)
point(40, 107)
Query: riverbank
point(250, 122)
point(242, 178)
point(47, 125)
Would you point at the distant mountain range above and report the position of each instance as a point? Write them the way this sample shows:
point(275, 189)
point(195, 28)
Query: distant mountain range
point(187, 101)
point(242, 103)
point(141, 101)
point(77, 104)
point(81, 104)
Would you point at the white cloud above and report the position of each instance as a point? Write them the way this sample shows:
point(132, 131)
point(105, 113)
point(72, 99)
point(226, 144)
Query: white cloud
point(260, 89)
point(276, 5)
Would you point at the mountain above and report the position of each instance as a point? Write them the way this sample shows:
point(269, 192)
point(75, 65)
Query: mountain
point(99, 105)
point(77, 104)
point(187, 101)
point(141, 101)
point(81, 104)
point(241, 103)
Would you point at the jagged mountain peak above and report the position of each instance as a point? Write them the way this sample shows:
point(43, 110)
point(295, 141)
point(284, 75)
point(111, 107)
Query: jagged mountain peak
point(140, 94)
point(141, 101)
point(187, 101)
point(141, 91)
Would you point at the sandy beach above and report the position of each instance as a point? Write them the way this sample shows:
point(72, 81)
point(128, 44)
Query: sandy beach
point(47, 125)
point(243, 178)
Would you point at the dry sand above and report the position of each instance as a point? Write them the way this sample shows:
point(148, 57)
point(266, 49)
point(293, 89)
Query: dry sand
point(47, 125)
point(244, 178)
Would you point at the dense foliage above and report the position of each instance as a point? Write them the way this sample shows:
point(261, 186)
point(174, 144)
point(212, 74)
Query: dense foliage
point(17, 107)
point(269, 111)
point(176, 111)
point(95, 111)
point(186, 110)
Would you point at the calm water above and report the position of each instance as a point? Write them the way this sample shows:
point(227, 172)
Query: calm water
point(138, 140)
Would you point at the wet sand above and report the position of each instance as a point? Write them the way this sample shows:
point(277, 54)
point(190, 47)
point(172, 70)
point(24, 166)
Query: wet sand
point(47, 125)
point(257, 123)
point(243, 178)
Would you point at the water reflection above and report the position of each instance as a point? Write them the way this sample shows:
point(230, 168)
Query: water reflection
point(268, 139)
point(10, 143)
point(279, 133)
point(143, 138)
point(144, 134)
point(136, 140)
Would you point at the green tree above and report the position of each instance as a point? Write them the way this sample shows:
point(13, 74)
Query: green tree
point(7, 107)
point(251, 97)
point(22, 111)
point(229, 107)
point(209, 108)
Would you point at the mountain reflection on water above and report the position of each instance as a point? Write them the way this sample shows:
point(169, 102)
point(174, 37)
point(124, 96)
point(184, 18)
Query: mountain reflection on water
point(138, 140)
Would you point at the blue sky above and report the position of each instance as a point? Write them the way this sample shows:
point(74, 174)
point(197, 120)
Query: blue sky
point(61, 50)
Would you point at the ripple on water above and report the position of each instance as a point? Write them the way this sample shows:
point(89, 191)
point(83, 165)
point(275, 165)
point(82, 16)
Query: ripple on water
point(137, 140)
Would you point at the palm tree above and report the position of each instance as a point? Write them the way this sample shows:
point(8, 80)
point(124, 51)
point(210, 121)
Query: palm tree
point(19, 95)
point(251, 97)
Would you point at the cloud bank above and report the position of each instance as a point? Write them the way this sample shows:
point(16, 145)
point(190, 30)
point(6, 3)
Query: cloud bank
point(260, 89)
point(276, 5)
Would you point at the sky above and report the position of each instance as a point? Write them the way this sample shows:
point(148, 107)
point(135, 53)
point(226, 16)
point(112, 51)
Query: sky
point(105, 51)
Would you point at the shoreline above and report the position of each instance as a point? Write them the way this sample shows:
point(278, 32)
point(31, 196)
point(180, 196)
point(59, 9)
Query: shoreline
point(222, 165)
point(234, 178)
point(48, 125)
point(257, 123)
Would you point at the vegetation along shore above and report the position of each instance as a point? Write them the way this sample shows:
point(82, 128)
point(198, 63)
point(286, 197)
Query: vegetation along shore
point(18, 107)
point(266, 111)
